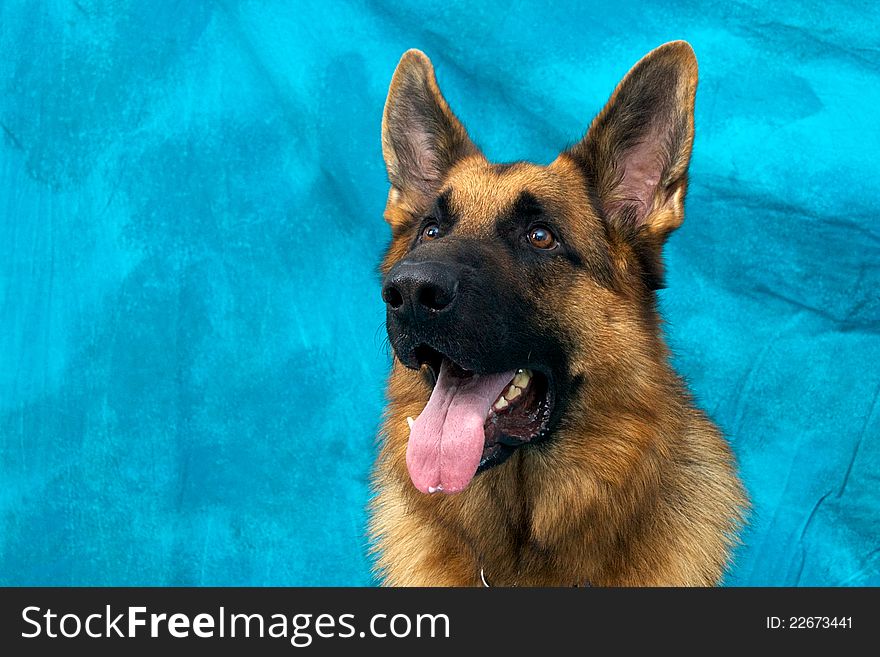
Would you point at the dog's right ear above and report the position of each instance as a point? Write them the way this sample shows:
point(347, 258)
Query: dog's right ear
point(421, 137)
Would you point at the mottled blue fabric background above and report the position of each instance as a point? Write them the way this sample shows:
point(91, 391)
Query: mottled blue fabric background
point(191, 333)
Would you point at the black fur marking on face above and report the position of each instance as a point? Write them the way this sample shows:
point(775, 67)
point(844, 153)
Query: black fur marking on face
point(494, 326)
point(528, 211)
point(442, 209)
point(440, 213)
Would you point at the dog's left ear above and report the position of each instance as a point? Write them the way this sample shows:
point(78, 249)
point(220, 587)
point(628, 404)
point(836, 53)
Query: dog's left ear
point(635, 154)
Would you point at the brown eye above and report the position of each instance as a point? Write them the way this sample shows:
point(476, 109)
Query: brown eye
point(541, 238)
point(431, 232)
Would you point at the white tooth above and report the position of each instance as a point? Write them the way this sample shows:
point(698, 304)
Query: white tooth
point(501, 404)
point(439, 489)
point(521, 380)
point(512, 393)
point(410, 422)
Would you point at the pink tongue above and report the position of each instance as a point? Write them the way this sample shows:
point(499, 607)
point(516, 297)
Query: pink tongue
point(446, 441)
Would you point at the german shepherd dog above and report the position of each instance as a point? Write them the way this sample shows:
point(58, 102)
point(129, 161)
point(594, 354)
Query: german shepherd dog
point(553, 444)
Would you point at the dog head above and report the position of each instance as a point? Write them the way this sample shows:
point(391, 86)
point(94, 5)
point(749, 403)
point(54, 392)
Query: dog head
point(518, 289)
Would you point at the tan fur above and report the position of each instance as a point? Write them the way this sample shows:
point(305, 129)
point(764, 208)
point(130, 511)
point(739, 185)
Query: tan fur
point(637, 487)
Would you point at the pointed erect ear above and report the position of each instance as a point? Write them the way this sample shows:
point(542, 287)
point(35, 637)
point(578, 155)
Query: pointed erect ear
point(421, 137)
point(636, 152)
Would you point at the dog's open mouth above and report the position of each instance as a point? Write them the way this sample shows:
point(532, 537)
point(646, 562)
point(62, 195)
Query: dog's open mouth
point(473, 421)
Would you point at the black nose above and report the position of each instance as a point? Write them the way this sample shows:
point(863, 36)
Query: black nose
point(420, 290)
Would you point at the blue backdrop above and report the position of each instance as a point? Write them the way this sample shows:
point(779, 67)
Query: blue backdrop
point(191, 333)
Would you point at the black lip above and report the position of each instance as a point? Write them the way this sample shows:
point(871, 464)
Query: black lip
point(426, 354)
point(497, 457)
